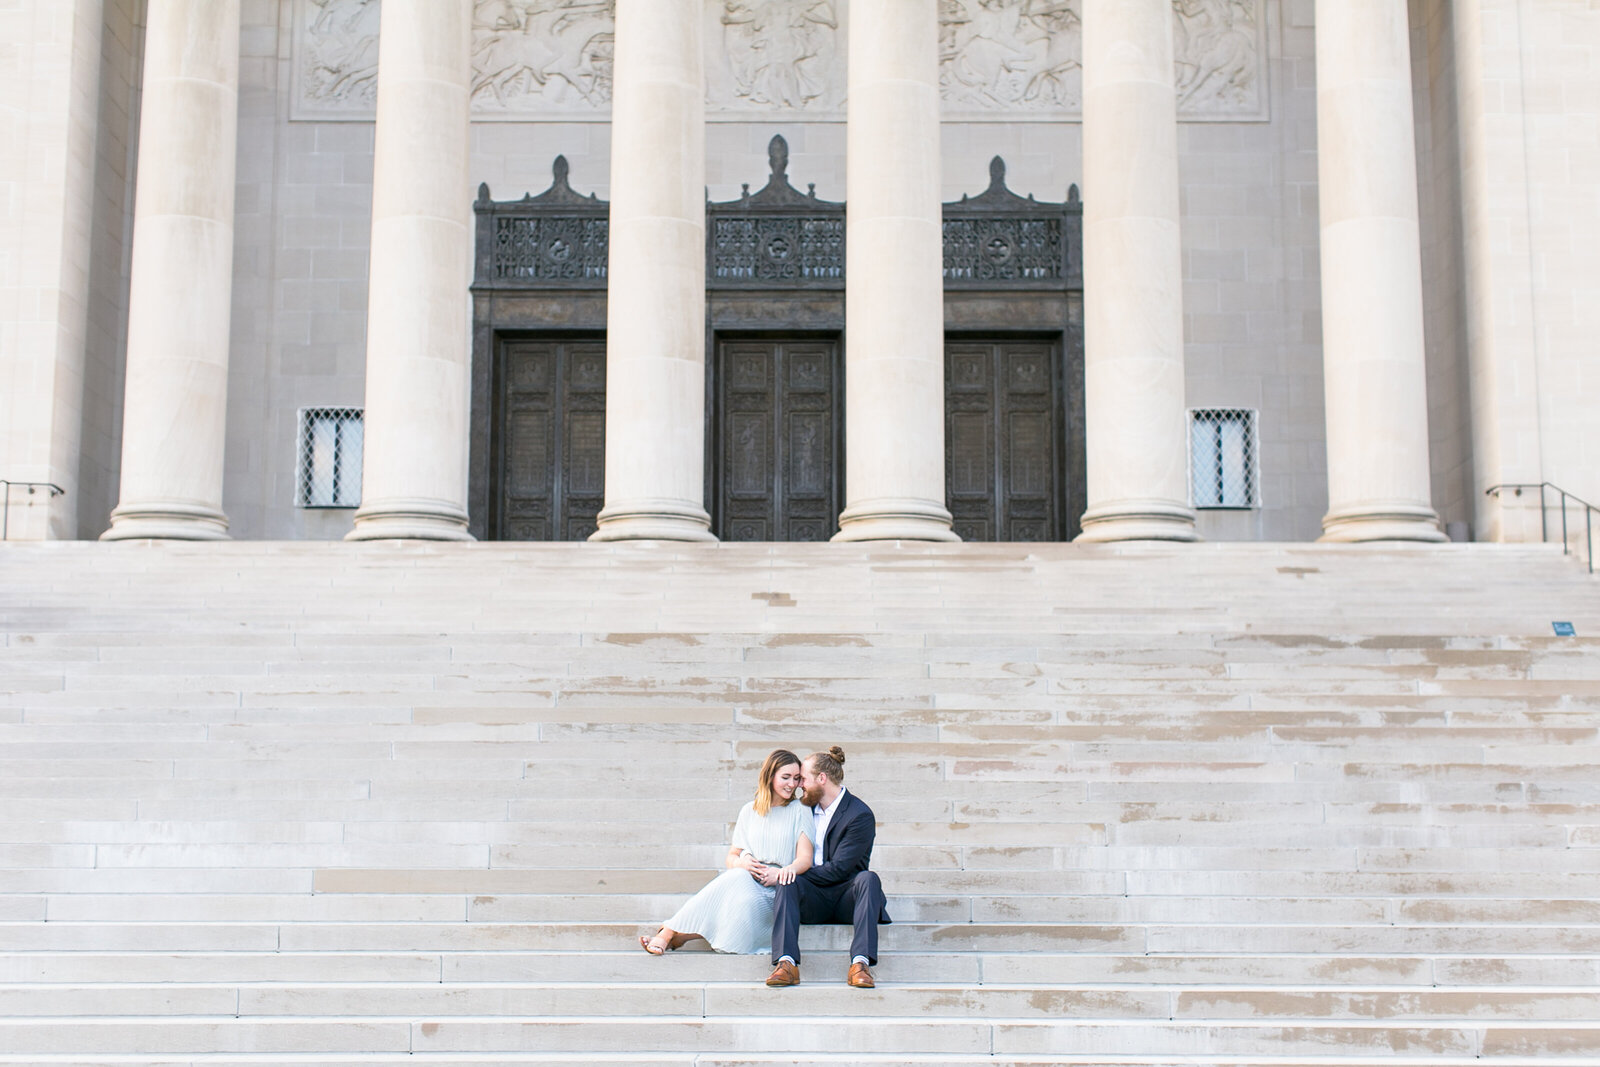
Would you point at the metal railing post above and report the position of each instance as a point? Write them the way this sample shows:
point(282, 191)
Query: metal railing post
point(1589, 513)
point(1563, 493)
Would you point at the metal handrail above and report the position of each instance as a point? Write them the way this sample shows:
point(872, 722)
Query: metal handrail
point(5, 508)
point(1589, 512)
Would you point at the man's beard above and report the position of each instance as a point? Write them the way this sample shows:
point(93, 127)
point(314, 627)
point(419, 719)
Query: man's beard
point(811, 797)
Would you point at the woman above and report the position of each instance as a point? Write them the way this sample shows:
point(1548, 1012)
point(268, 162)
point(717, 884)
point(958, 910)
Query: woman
point(771, 846)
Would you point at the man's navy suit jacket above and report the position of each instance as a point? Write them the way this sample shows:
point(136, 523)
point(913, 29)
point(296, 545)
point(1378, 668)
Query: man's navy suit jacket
point(847, 847)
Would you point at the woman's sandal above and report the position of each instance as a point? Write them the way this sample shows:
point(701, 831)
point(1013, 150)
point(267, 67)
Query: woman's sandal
point(658, 946)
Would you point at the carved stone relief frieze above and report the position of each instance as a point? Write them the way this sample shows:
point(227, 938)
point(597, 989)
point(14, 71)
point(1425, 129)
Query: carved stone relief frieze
point(1001, 60)
point(1024, 58)
point(775, 55)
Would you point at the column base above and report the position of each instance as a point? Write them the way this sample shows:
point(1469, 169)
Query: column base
point(166, 522)
point(1382, 522)
point(410, 520)
point(895, 519)
point(1138, 520)
point(653, 520)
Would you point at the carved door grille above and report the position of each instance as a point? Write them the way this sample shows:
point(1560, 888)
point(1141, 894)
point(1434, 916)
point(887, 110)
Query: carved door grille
point(1003, 438)
point(777, 440)
point(556, 240)
point(550, 441)
point(780, 238)
point(777, 238)
point(1000, 239)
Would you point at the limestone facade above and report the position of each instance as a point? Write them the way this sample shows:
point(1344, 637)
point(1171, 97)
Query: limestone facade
point(1505, 99)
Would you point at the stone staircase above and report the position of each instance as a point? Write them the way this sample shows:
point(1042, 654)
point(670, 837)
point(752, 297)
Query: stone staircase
point(409, 804)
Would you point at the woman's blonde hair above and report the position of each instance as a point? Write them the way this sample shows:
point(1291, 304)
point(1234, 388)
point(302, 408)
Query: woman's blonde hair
point(765, 797)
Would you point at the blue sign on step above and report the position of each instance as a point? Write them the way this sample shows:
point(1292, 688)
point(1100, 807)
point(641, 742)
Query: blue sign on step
point(1564, 629)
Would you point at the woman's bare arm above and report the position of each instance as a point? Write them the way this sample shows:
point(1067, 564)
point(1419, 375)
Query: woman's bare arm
point(802, 862)
point(740, 860)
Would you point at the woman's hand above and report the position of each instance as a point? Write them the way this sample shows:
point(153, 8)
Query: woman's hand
point(786, 875)
point(746, 861)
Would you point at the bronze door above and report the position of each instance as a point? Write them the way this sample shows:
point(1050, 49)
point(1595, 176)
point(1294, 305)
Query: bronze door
point(1003, 441)
point(549, 452)
point(776, 433)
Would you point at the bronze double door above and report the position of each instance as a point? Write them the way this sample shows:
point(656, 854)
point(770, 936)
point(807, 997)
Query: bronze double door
point(1009, 458)
point(776, 440)
point(548, 451)
point(775, 429)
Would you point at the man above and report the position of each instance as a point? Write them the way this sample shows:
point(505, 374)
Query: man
point(838, 888)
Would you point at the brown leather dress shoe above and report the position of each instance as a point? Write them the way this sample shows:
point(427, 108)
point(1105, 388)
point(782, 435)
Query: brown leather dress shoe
point(860, 977)
point(784, 974)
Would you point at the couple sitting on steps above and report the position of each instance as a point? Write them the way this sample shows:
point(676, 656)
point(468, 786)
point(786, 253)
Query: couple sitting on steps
point(800, 854)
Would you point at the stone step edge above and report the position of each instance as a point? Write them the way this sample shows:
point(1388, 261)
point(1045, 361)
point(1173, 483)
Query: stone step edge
point(735, 1059)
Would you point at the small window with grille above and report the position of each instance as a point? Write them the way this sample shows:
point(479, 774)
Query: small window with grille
point(330, 458)
point(1222, 458)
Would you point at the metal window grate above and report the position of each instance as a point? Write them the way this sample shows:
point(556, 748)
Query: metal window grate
point(1223, 471)
point(330, 458)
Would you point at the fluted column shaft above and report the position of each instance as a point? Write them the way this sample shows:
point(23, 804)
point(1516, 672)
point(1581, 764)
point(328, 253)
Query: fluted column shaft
point(1133, 277)
point(656, 288)
point(175, 400)
point(1374, 374)
point(414, 468)
point(894, 278)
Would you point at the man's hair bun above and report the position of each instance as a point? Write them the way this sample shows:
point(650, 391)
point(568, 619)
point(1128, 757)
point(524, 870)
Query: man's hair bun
point(830, 763)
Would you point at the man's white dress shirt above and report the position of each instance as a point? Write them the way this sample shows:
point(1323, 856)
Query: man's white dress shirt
point(822, 816)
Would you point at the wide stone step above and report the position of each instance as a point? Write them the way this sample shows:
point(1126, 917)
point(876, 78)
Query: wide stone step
point(643, 908)
point(1280, 972)
point(1015, 937)
point(780, 1033)
point(826, 995)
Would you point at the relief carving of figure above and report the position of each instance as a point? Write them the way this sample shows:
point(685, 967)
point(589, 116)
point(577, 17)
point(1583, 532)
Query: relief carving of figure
point(340, 67)
point(1214, 44)
point(1009, 53)
point(778, 50)
point(549, 53)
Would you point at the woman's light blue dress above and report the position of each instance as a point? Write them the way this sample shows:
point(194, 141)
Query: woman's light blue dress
point(734, 912)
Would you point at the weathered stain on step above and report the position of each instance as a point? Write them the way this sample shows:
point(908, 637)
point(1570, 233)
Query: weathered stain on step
point(817, 641)
point(648, 639)
point(775, 600)
point(1299, 572)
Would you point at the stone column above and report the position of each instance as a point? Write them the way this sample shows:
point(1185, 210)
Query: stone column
point(419, 327)
point(1133, 277)
point(1372, 348)
point(175, 402)
point(656, 278)
point(894, 278)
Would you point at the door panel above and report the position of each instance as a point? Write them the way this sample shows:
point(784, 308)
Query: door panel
point(549, 440)
point(1003, 441)
point(776, 427)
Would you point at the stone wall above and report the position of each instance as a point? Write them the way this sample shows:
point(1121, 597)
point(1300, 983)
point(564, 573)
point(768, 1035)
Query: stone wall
point(1560, 68)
